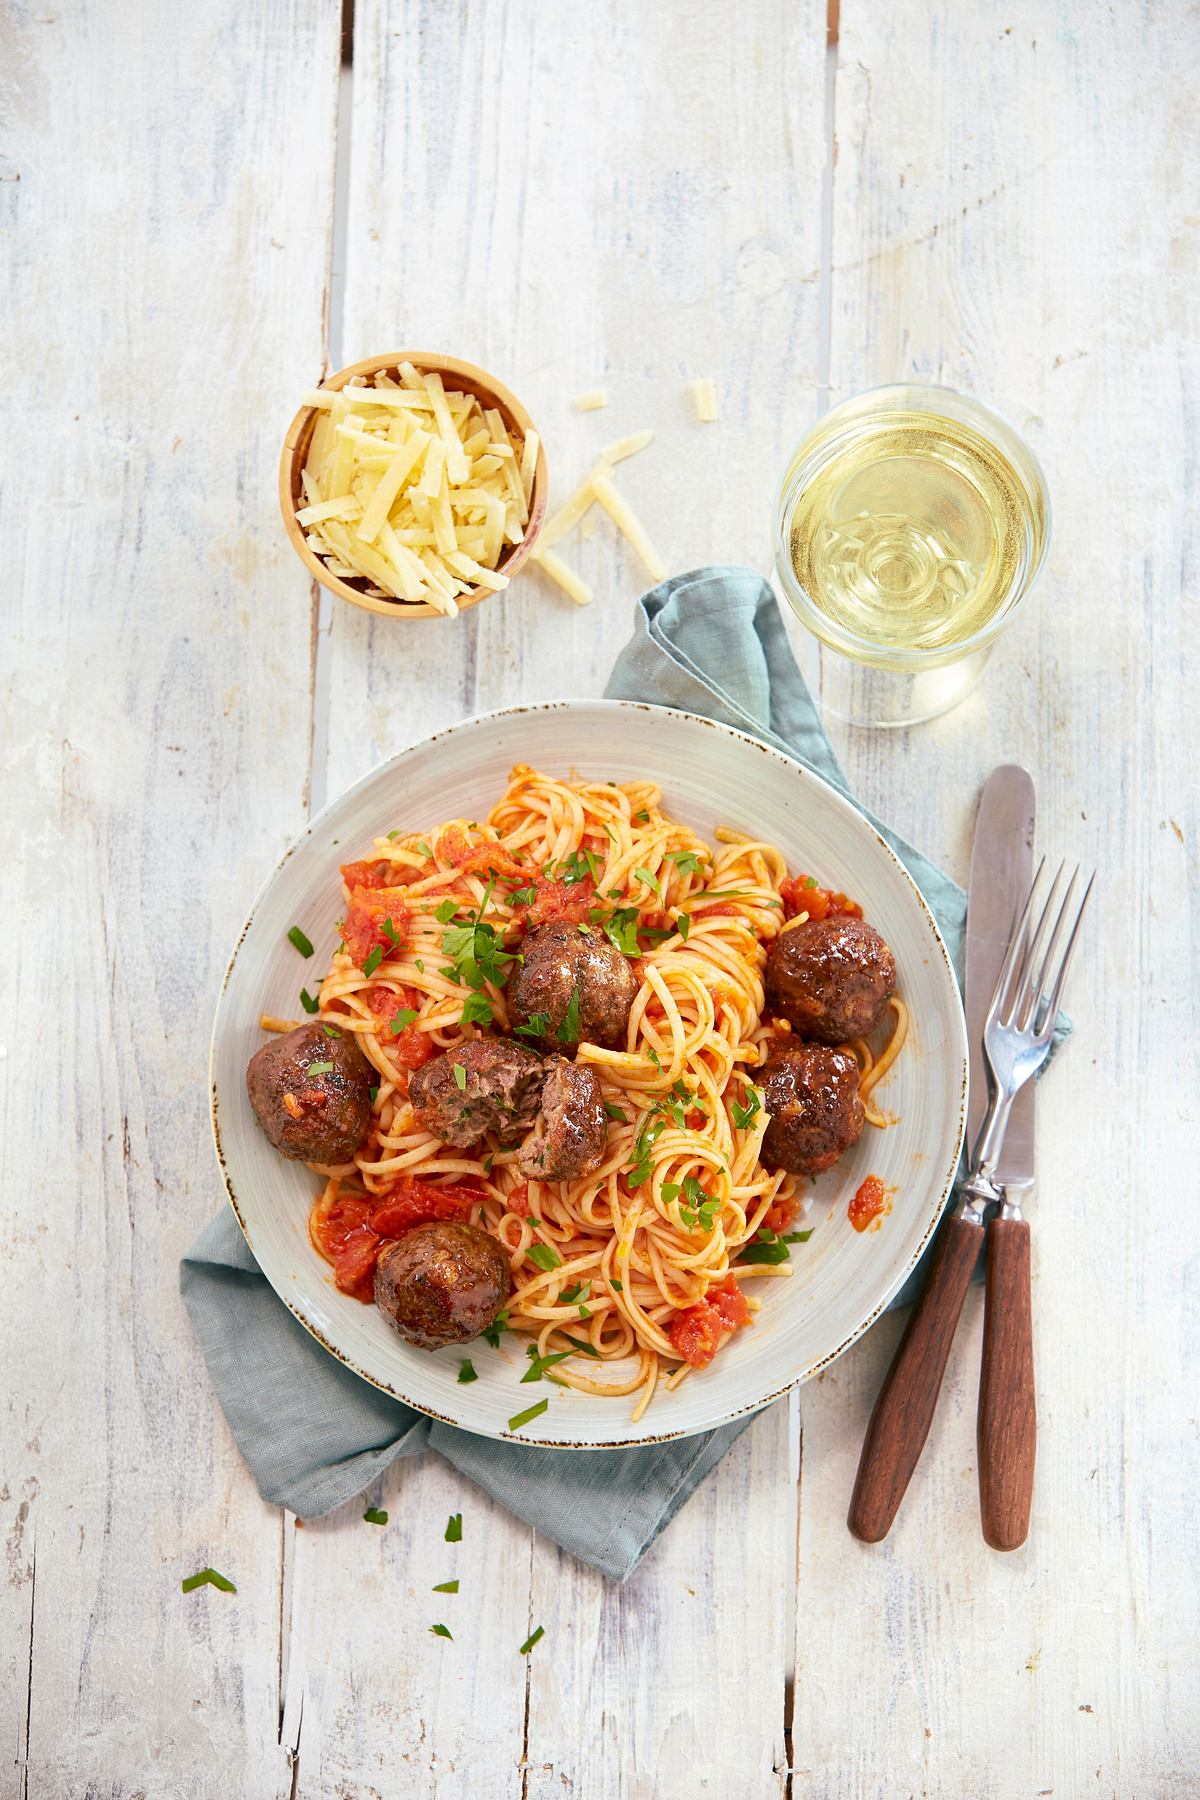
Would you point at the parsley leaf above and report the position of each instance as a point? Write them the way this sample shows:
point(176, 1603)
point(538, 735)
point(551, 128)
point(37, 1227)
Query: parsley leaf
point(686, 861)
point(373, 960)
point(331, 1031)
point(476, 1011)
point(445, 1587)
point(207, 1578)
point(466, 1370)
point(531, 1640)
point(743, 1115)
point(373, 1516)
point(684, 925)
point(303, 944)
point(613, 1111)
point(308, 1003)
point(442, 1631)
point(536, 1025)
point(374, 1093)
point(522, 896)
point(402, 1020)
point(620, 928)
point(320, 1068)
point(492, 1332)
point(581, 1344)
point(568, 1031)
point(539, 1364)
point(545, 1256)
point(454, 1529)
point(445, 911)
point(460, 1077)
point(523, 1418)
point(649, 880)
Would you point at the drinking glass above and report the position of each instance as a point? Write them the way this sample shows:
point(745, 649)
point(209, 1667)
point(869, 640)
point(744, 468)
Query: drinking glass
point(910, 523)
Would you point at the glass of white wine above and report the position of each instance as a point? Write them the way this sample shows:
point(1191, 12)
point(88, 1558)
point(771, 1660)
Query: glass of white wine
point(910, 523)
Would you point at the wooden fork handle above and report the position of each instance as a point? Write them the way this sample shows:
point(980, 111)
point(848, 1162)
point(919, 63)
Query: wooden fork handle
point(905, 1407)
point(1007, 1429)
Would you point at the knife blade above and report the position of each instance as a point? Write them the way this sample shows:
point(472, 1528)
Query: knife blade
point(1001, 871)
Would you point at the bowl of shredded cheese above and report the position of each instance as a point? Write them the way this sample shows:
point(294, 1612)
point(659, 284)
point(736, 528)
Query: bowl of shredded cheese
point(412, 484)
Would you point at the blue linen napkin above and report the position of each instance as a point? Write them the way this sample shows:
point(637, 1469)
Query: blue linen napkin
point(313, 1434)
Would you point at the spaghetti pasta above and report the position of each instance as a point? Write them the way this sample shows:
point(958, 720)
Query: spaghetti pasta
point(606, 1267)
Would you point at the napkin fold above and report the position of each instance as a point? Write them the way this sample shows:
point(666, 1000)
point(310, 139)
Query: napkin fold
point(313, 1434)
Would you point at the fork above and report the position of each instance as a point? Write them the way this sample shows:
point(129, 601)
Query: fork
point(1017, 1034)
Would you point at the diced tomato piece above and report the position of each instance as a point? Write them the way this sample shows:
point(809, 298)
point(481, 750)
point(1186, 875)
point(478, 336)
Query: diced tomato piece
point(345, 1239)
point(354, 1264)
point(410, 1046)
point(869, 1202)
point(696, 1334)
point(560, 900)
point(780, 1214)
point(410, 1201)
point(518, 1200)
point(800, 893)
point(479, 859)
point(370, 910)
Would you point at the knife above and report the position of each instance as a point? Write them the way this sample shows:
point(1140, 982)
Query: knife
point(904, 1409)
point(1006, 1428)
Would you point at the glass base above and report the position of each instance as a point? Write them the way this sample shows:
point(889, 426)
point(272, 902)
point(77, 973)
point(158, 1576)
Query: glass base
point(861, 695)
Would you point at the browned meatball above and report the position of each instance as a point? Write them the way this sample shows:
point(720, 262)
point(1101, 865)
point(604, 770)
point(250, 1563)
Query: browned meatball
point(311, 1093)
point(441, 1283)
point(816, 1113)
point(831, 979)
point(563, 961)
point(498, 1090)
point(573, 1127)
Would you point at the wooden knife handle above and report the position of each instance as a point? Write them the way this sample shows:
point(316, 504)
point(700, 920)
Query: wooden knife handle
point(1007, 1431)
point(904, 1410)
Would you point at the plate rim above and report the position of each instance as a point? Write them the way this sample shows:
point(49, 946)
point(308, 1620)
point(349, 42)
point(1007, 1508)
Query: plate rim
point(616, 708)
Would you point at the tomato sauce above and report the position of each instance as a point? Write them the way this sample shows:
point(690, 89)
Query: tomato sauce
point(696, 1334)
point(568, 901)
point(779, 1216)
point(410, 1046)
point(818, 902)
point(369, 911)
point(869, 1203)
point(479, 859)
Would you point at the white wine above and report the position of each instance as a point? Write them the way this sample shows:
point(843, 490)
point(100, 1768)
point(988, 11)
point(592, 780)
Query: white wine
point(908, 530)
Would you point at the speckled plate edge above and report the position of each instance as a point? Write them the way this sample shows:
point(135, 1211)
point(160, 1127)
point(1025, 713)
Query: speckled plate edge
point(940, 1186)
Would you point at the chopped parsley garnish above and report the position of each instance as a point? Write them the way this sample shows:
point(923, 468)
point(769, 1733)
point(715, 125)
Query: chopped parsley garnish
point(474, 949)
point(703, 1208)
point(531, 1412)
point(798, 1237)
point(423, 847)
point(402, 1019)
point(574, 867)
point(545, 1256)
point(684, 925)
point(308, 1003)
point(648, 880)
point(442, 1631)
point(581, 1344)
point(390, 932)
point(454, 1529)
point(488, 1160)
point(492, 1332)
point(743, 1115)
point(810, 881)
point(765, 1247)
point(207, 1578)
point(568, 1031)
point(522, 896)
point(575, 1292)
point(297, 937)
point(393, 835)
point(373, 960)
point(446, 1587)
point(686, 861)
point(649, 1132)
point(531, 1640)
point(642, 817)
point(419, 964)
point(614, 1283)
point(613, 838)
point(539, 1364)
point(460, 1077)
point(324, 1068)
point(445, 911)
point(621, 929)
point(374, 1516)
point(466, 1370)
point(536, 1025)
point(613, 1111)
point(331, 1031)
point(476, 1011)
point(374, 1093)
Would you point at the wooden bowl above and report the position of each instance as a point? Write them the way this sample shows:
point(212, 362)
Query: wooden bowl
point(463, 377)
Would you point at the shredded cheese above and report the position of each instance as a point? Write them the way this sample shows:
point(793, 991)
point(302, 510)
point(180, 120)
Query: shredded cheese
point(570, 583)
point(592, 401)
point(627, 522)
point(626, 446)
point(704, 398)
point(415, 489)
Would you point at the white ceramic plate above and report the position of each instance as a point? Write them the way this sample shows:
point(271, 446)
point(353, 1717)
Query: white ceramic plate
point(709, 775)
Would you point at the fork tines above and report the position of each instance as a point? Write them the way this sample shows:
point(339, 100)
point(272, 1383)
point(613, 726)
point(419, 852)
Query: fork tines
point(1032, 979)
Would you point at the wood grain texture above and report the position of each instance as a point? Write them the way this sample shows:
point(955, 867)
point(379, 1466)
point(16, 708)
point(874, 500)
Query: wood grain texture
point(1011, 216)
point(1006, 1427)
point(905, 1405)
point(165, 277)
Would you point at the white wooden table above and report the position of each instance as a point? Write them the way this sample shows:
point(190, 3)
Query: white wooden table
point(632, 195)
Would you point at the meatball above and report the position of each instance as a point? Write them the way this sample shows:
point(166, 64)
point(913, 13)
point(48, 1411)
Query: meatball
point(562, 961)
point(573, 1127)
point(441, 1283)
point(816, 1113)
point(831, 978)
point(311, 1094)
point(499, 1090)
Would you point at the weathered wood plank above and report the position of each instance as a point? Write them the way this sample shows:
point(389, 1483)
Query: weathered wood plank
point(168, 195)
point(569, 208)
point(1009, 218)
